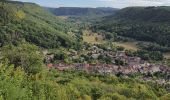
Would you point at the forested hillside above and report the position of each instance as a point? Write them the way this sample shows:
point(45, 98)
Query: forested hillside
point(30, 22)
point(140, 23)
point(145, 14)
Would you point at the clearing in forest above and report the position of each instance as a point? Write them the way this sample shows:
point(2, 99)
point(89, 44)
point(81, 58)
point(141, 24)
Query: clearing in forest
point(93, 38)
point(127, 45)
point(167, 55)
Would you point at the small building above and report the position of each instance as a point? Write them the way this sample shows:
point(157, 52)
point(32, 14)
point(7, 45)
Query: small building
point(154, 68)
point(49, 58)
point(121, 54)
point(50, 66)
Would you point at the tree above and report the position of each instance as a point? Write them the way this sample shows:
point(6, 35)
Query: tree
point(11, 82)
point(165, 97)
point(155, 55)
point(119, 62)
point(114, 96)
point(24, 55)
point(20, 15)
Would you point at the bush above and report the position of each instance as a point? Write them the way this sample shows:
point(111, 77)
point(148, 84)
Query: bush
point(24, 55)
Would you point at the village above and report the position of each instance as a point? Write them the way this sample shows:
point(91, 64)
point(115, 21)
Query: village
point(135, 65)
point(132, 65)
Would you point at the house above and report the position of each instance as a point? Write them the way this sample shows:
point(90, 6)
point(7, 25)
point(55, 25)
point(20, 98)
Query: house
point(95, 56)
point(105, 70)
point(73, 53)
point(120, 54)
point(94, 49)
point(115, 69)
point(141, 70)
point(49, 58)
point(165, 69)
point(50, 66)
point(81, 66)
point(62, 67)
point(154, 68)
point(133, 60)
point(45, 52)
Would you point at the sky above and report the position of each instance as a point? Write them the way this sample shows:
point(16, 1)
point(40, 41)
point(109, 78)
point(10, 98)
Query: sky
point(99, 3)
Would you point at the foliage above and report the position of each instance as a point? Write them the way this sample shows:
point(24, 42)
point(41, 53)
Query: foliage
point(24, 55)
point(149, 24)
point(54, 85)
point(165, 97)
point(153, 55)
point(34, 24)
point(146, 55)
point(153, 47)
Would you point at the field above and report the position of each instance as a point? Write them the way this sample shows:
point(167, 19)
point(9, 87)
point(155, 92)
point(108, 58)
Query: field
point(63, 17)
point(92, 38)
point(127, 45)
point(167, 55)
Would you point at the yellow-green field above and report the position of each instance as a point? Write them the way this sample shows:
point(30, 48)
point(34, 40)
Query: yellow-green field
point(127, 45)
point(92, 38)
point(167, 55)
point(63, 17)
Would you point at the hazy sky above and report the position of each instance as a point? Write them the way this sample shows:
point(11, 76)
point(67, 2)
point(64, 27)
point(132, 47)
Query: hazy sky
point(99, 3)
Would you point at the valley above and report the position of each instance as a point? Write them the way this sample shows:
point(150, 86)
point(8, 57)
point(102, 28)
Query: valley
point(83, 53)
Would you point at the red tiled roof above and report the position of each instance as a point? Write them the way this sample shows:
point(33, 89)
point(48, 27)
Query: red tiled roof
point(49, 65)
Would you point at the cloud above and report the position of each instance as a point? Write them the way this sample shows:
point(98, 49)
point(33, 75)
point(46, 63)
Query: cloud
point(126, 3)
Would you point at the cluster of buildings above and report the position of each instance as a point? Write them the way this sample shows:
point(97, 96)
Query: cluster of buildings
point(133, 65)
point(112, 69)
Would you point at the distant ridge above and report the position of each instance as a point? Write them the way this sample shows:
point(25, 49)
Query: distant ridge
point(152, 14)
point(79, 11)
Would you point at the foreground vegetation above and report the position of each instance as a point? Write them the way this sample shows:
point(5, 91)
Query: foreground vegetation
point(69, 85)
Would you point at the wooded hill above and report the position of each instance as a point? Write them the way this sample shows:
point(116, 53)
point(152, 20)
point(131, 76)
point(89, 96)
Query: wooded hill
point(27, 21)
point(140, 23)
